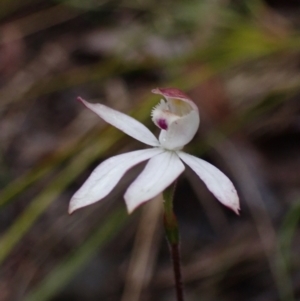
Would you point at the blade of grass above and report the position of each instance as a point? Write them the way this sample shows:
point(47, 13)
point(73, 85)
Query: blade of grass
point(18, 185)
point(68, 269)
point(287, 232)
point(46, 197)
point(283, 252)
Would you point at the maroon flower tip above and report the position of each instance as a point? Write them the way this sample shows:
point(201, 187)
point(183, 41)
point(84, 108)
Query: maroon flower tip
point(171, 93)
point(79, 99)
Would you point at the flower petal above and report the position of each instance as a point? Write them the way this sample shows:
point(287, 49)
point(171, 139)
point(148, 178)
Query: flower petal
point(123, 122)
point(158, 174)
point(106, 176)
point(215, 180)
point(180, 132)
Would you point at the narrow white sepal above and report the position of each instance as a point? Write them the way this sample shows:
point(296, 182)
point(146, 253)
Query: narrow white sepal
point(160, 172)
point(107, 175)
point(219, 184)
point(123, 122)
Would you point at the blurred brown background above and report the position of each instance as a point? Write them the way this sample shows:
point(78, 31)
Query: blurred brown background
point(238, 60)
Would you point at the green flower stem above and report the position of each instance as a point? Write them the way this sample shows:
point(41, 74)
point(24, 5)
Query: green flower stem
point(172, 234)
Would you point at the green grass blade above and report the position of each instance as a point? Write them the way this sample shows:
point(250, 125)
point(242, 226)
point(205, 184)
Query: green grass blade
point(62, 180)
point(63, 274)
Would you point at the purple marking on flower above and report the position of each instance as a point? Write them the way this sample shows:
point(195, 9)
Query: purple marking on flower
point(162, 124)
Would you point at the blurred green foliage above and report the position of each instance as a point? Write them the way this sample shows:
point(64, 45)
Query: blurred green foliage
point(218, 35)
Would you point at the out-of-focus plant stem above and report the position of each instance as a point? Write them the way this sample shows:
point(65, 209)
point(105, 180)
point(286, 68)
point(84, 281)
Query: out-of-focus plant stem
point(172, 235)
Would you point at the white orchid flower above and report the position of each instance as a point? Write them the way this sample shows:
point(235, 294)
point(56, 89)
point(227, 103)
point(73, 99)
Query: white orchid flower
point(178, 118)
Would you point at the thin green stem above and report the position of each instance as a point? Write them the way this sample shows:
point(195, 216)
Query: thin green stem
point(172, 234)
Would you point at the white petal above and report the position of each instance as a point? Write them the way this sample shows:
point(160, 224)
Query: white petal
point(215, 180)
point(158, 174)
point(180, 132)
point(123, 122)
point(106, 176)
